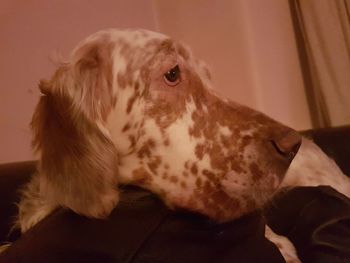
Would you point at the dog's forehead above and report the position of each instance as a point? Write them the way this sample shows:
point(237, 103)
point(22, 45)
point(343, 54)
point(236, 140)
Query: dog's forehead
point(130, 37)
point(137, 37)
point(133, 43)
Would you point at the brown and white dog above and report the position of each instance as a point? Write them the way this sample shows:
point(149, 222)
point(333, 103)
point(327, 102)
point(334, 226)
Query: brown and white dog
point(135, 107)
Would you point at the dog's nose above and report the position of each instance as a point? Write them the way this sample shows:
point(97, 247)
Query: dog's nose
point(287, 144)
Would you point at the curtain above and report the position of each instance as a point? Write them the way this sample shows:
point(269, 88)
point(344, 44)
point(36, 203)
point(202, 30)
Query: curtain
point(322, 29)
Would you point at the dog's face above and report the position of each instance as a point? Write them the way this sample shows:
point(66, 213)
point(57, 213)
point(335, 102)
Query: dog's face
point(143, 106)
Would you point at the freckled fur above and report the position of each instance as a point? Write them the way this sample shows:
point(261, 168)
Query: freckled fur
point(107, 117)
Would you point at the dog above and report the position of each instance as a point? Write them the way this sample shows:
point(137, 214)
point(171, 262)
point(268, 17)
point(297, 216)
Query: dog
point(136, 107)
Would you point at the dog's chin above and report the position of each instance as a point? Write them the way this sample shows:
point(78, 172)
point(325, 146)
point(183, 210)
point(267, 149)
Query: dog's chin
point(251, 196)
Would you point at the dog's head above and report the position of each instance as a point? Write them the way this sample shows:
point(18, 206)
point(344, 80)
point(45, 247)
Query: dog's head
point(135, 107)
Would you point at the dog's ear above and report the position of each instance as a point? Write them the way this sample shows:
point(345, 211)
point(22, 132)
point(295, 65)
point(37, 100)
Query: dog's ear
point(78, 162)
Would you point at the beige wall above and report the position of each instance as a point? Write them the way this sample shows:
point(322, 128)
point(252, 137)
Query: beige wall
point(33, 30)
point(248, 44)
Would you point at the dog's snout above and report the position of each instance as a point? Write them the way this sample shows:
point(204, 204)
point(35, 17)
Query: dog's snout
point(287, 144)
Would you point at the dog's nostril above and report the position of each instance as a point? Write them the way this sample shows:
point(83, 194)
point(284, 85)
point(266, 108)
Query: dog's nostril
point(288, 144)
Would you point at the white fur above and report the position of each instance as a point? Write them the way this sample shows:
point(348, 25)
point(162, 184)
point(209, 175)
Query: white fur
point(312, 167)
point(284, 245)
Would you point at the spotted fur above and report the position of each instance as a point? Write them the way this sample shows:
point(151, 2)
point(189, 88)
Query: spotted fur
point(108, 117)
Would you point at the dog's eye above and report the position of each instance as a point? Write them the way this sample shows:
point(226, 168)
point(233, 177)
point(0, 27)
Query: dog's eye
point(172, 77)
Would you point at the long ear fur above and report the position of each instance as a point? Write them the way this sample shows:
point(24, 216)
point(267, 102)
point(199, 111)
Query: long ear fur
point(78, 161)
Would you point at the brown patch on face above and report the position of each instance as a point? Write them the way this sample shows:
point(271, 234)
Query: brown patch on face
point(132, 140)
point(174, 179)
point(126, 127)
point(165, 46)
point(216, 203)
point(131, 101)
point(256, 172)
point(245, 141)
point(154, 164)
point(199, 151)
point(165, 175)
point(135, 58)
point(218, 160)
point(146, 149)
point(165, 113)
point(237, 165)
point(200, 124)
point(141, 176)
point(183, 184)
point(121, 80)
point(209, 175)
point(194, 169)
point(166, 142)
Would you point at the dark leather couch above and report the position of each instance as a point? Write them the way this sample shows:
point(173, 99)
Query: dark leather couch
point(142, 229)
